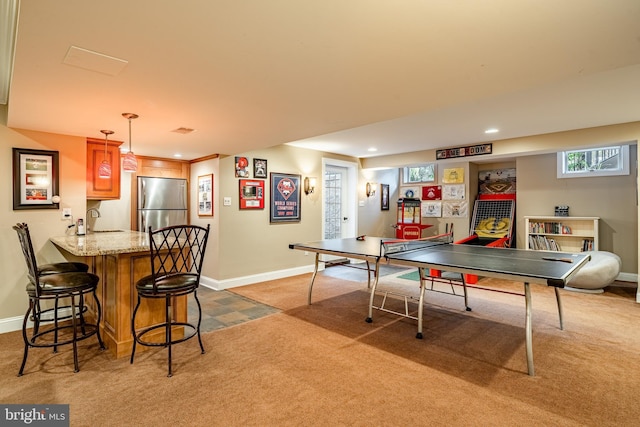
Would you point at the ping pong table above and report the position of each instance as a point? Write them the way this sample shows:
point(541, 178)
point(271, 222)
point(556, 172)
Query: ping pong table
point(552, 269)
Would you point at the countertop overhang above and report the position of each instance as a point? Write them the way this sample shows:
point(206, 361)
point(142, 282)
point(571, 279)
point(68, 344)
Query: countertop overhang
point(103, 243)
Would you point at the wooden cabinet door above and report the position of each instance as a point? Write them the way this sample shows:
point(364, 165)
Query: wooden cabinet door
point(100, 188)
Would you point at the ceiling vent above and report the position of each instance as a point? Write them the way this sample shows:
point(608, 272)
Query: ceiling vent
point(183, 131)
point(94, 61)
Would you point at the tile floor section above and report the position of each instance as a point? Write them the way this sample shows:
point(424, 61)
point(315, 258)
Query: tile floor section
point(221, 309)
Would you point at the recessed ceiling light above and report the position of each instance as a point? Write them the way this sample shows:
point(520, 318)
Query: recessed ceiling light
point(372, 149)
point(177, 155)
point(492, 130)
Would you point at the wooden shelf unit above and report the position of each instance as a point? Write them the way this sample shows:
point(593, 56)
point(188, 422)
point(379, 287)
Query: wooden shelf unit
point(561, 233)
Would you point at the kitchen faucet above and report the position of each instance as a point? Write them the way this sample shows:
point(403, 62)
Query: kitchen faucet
point(95, 213)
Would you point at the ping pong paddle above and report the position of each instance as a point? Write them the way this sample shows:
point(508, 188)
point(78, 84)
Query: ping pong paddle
point(569, 260)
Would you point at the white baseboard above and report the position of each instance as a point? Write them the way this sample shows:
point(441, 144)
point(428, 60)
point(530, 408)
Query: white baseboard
point(10, 324)
point(628, 277)
point(219, 285)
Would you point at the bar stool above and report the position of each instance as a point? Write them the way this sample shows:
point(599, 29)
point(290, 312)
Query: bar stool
point(177, 253)
point(56, 282)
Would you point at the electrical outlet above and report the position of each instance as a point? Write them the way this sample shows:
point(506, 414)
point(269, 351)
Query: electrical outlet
point(66, 213)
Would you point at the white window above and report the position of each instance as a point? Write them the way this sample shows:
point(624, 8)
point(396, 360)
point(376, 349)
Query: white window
point(418, 174)
point(605, 161)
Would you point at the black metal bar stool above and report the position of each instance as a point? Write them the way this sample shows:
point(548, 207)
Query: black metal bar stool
point(56, 282)
point(177, 253)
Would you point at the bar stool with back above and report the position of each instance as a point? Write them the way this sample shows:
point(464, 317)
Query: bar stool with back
point(177, 254)
point(56, 282)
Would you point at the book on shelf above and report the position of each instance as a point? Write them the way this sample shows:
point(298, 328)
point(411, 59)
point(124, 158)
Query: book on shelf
point(542, 243)
point(549, 228)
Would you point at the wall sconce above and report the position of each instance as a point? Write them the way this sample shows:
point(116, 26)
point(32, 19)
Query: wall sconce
point(309, 185)
point(371, 189)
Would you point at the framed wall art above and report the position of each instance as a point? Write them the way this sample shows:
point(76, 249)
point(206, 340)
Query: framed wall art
point(431, 209)
point(259, 168)
point(205, 195)
point(35, 179)
point(251, 193)
point(242, 167)
point(285, 198)
point(384, 197)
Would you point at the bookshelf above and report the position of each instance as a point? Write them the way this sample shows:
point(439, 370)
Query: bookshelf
point(561, 233)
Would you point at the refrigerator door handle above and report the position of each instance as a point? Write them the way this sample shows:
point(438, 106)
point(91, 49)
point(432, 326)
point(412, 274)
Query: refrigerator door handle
point(143, 197)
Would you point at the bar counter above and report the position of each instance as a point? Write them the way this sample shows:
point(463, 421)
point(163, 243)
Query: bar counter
point(103, 243)
point(120, 259)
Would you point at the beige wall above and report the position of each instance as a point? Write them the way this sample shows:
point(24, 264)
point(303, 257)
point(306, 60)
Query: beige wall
point(613, 199)
point(211, 264)
point(43, 223)
point(249, 244)
point(371, 219)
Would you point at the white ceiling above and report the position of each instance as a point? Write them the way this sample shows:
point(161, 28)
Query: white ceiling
point(336, 75)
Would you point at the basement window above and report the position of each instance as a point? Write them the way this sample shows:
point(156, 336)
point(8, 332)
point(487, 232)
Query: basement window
point(605, 161)
point(418, 174)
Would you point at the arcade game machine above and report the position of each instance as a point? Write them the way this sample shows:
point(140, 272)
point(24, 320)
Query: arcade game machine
point(409, 219)
point(492, 223)
point(493, 213)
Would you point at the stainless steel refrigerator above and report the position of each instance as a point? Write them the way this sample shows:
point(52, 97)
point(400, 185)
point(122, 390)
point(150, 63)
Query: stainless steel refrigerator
point(161, 202)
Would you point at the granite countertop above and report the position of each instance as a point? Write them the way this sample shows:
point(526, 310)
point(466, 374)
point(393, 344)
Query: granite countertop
point(103, 243)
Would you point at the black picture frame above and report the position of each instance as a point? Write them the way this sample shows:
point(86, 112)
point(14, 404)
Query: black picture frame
point(284, 198)
point(259, 168)
point(384, 197)
point(35, 179)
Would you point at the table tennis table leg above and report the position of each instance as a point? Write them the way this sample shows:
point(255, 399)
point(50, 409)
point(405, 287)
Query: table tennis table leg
point(423, 285)
point(464, 290)
point(368, 275)
point(559, 307)
point(313, 277)
point(373, 291)
point(528, 334)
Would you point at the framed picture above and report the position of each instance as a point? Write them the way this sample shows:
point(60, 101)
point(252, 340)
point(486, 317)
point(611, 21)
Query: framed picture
point(384, 197)
point(259, 168)
point(251, 194)
point(453, 192)
point(432, 192)
point(205, 195)
point(242, 167)
point(285, 198)
point(454, 209)
point(35, 179)
point(453, 176)
point(431, 209)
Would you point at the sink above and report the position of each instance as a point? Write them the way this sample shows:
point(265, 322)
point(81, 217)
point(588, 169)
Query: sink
point(106, 231)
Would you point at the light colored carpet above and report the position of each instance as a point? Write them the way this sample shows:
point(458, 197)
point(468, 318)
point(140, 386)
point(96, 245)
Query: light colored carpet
point(323, 365)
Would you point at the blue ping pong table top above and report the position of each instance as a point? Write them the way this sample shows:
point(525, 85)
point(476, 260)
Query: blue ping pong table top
point(552, 268)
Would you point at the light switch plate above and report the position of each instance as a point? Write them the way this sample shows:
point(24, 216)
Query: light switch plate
point(226, 201)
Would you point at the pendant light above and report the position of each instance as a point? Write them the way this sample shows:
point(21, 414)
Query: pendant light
point(130, 164)
point(104, 170)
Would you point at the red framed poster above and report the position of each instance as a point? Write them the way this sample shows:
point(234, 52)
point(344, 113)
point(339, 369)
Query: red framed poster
point(251, 193)
point(432, 192)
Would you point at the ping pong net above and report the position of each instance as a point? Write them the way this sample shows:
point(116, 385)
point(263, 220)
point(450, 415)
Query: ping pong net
point(394, 246)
